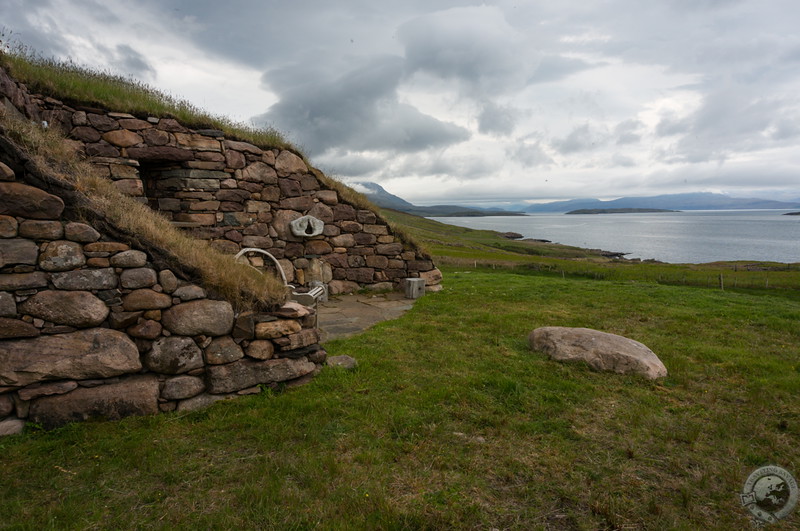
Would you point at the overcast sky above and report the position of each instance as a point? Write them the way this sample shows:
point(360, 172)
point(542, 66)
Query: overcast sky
point(458, 102)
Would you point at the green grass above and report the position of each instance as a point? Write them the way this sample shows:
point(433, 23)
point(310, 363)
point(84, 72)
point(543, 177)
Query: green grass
point(77, 84)
point(464, 247)
point(450, 421)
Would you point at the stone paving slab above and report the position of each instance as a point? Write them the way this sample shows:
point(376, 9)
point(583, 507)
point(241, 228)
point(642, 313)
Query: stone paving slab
point(347, 315)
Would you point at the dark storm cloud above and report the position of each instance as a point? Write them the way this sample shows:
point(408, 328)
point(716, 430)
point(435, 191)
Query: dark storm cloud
point(356, 110)
point(130, 62)
point(475, 46)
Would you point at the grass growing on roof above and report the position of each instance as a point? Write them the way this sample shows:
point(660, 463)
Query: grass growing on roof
point(240, 284)
point(75, 83)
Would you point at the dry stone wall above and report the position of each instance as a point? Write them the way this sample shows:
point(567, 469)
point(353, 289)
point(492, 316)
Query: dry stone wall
point(235, 194)
point(91, 327)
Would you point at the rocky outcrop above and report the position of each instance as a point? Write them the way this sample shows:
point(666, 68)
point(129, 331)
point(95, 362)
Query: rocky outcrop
point(600, 350)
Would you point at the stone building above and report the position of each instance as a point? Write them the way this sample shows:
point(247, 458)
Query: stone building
point(95, 322)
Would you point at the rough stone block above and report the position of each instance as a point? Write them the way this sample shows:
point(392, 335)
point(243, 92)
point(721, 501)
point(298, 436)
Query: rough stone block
point(15, 328)
point(138, 277)
point(260, 349)
point(8, 227)
point(174, 355)
point(206, 317)
point(389, 249)
point(247, 373)
point(105, 247)
point(80, 232)
point(376, 229)
point(329, 197)
point(147, 329)
point(160, 154)
point(61, 255)
point(80, 309)
point(275, 329)
point(301, 204)
point(198, 142)
point(259, 172)
point(130, 187)
point(223, 350)
point(304, 338)
point(20, 281)
point(18, 251)
point(81, 355)
point(41, 229)
point(38, 390)
point(29, 202)
point(137, 395)
point(182, 387)
point(122, 138)
point(129, 259)
point(288, 163)
point(146, 299)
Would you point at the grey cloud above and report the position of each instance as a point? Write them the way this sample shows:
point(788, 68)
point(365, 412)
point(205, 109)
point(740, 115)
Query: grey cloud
point(530, 154)
point(356, 110)
point(555, 68)
point(734, 118)
point(671, 125)
point(348, 164)
point(130, 62)
point(628, 132)
point(474, 45)
point(581, 138)
point(623, 161)
point(497, 119)
point(22, 24)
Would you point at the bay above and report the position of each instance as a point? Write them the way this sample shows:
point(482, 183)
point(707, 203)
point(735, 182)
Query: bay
point(692, 236)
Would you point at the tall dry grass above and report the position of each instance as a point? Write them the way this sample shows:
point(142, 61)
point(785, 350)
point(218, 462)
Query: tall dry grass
point(242, 285)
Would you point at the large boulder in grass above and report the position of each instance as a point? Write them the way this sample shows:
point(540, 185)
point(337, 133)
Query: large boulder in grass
point(600, 350)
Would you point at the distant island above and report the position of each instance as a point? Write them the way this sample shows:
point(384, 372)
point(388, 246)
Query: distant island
point(618, 210)
point(792, 214)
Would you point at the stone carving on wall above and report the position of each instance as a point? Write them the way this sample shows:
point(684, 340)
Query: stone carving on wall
point(307, 227)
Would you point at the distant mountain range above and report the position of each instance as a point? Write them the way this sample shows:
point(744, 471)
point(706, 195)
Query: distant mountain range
point(693, 201)
point(378, 195)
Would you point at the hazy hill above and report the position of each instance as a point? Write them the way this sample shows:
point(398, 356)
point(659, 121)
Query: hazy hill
point(693, 201)
point(379, 196)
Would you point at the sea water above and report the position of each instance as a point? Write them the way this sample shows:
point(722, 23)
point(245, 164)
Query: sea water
point(692, 236)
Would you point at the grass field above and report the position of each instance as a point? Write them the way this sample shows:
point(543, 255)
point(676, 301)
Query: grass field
point(451, 422)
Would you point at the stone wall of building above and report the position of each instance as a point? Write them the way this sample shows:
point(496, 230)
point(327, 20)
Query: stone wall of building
point(235, 194)
point(92, 327)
